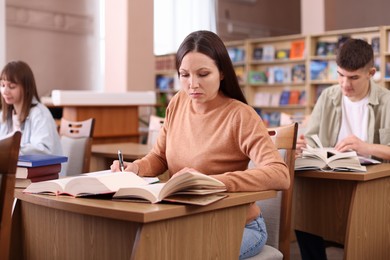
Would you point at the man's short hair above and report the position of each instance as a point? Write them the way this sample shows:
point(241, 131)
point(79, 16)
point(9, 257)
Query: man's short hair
point(355, 54)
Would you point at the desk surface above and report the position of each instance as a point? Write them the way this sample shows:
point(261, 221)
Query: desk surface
point(137, 212)
point(373, 172)
point(130, 151)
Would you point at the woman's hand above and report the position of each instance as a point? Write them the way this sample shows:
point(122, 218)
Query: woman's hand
point(129, 167)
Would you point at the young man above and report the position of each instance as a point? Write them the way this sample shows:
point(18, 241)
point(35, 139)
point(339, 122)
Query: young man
point(353, 115)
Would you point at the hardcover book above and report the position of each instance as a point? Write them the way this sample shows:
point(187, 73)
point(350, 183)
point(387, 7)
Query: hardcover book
point(34, 160)
point(33, 172)
point(24, 182)
point(328, 159)
point(127, 185)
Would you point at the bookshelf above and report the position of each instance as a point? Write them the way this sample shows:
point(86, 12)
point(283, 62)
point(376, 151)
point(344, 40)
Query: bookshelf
point(322, 70)
point(385, 49)
point(237, 52)
point(276, 76)
point(269, 67)
point(166, 81)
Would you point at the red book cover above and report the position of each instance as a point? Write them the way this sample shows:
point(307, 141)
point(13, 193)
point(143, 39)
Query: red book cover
point(33, 172)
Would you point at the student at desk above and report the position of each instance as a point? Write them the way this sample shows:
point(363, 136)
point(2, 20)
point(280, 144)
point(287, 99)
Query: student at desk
point(353, 115)
point(210, 128)
point(22, 110)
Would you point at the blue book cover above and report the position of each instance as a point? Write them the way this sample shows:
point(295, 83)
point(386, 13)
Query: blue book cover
point(34, 160)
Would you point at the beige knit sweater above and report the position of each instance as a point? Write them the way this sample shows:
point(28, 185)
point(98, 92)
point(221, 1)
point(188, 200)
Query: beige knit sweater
point(219, 143)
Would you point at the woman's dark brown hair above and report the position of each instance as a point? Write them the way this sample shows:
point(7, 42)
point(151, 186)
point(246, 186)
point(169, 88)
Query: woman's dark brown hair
point(208, 43)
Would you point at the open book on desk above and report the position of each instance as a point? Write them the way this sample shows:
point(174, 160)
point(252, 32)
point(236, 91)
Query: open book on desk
point(189, 187)
point(328, 159)
point(94, 183)
point(127, 185)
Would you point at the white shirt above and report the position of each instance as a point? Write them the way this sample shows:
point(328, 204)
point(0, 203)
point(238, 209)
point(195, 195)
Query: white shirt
point(39, 132)
point(354, 119)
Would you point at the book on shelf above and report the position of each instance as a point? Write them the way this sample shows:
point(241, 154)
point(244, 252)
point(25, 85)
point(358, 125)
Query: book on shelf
point(282, 54)
point(318, 70)
point(284, 98)
point(268, 52)
point(298, 73)
point(294, 97)
point(375, 44)
point(33, 172)
point(271, 119)
point(127, 185)
point(256, 77)
point(34, 160)
point(328, 159)
point(262, 99)
point(387, 70)
point(24, 182)
point(236, 54)
point(297, 50)
point(257, 53)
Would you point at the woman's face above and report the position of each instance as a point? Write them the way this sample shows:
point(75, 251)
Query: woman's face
point(12, 93)
point(199, 77)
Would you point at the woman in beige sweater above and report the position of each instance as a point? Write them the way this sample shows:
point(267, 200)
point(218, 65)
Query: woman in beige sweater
point(210, 128)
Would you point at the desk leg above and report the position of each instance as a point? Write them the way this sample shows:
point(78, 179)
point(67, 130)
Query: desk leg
point(368, 231)
point(212, 235)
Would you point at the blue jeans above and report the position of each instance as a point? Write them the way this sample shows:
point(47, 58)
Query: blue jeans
point(254, 238)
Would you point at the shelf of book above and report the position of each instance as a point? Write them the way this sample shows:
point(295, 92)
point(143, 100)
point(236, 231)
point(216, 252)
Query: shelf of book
point(166, 81)
point(269, 66)
point(385, 49)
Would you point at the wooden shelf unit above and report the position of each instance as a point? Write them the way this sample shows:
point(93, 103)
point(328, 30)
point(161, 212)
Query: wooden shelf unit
point(247, 67)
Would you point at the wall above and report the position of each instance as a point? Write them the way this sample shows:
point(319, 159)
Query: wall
point(349, 14)
point(58, 39)
point(242, 19)
point(2, 33)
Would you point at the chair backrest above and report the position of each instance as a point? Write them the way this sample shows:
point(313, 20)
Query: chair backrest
point(76, 140)
point(9, 154)
point(155, 124)
point(277, 212)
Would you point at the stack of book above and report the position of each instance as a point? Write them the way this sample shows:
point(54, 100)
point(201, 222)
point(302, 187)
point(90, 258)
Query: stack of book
point(38, 167)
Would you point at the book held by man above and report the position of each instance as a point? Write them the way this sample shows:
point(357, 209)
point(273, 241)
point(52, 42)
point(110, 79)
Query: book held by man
point(126, 185)
point(328, 159)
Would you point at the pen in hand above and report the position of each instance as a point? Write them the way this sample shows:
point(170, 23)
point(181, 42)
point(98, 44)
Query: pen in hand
point(121, 165)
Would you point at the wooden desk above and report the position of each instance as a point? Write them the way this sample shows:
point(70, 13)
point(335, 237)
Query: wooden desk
point(102, 155)
point(348, 208)
point(49, 227)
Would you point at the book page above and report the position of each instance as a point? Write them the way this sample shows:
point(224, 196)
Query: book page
point(52, 187)
point(150, 192)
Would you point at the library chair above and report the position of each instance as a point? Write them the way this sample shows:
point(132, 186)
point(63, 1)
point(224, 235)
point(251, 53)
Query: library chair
point(155, 124)
point(76, 140)
point(9, 153)
point(277, 212)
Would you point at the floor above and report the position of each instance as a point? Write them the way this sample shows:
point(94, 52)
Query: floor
point(332, 253)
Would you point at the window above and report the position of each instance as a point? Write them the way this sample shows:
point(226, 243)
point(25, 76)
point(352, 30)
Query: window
point(175, 19)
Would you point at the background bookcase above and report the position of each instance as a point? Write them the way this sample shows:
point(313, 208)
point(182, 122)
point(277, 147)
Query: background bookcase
point(166, 81)
point(284, 75)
